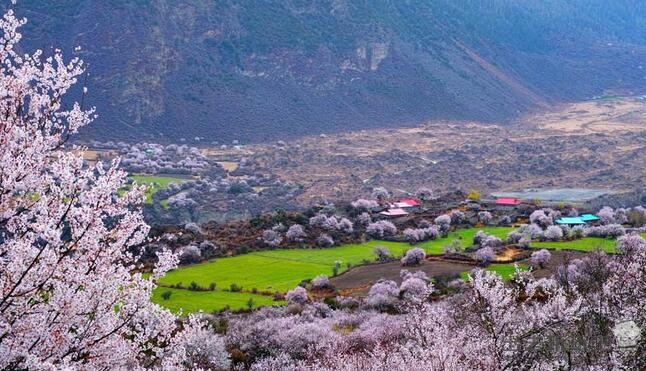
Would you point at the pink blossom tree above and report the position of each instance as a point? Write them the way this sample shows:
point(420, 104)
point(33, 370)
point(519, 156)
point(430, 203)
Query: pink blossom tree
point(541, 257)
point(69, 297)
point(365, 205)
point(298, 295)
point(485, 217)
point(381, 228)
point(607, 215)
point(424, 194)
point(485, 255)
point(296, 233)
point(413, 257)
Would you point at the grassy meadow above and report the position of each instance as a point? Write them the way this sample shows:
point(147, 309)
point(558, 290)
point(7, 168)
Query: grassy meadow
point(504, 270)
point(586, 244)
point(156, 183)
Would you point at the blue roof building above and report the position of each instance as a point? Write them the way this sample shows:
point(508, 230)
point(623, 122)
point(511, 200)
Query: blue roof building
point(576, 220)
point(589, 217)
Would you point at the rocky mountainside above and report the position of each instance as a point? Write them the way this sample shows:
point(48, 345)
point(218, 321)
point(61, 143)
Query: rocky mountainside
point(251, 70)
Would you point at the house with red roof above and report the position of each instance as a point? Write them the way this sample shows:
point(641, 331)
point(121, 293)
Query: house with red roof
point(508, 201)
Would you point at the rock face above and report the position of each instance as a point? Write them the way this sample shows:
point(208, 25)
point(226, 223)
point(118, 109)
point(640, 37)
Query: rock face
point(223, 70)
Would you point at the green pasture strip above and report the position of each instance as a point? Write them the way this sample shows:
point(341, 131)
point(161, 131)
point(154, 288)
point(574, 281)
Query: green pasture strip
point(155, 183)
point(506, 271)
point(188, 301)
point(249, 271)
point(586, 244)
point(465, 236)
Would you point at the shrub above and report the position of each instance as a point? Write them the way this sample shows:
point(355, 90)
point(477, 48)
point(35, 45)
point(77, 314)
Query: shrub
point(208, 249)
point(193, 286)
point(324, 240)
point(607, 215)
point(193, 228)
point(345, 226)
point(485, 217)
point(424, 193)
point(190, 254)
point(212, 286)
point(383, 254)
point(166, 294)
point(364, 205)
point(540, 218)
point(321, 282)
point(413, 257)
point(382, 295)
point(298, 295)
point(514, 237)
point(250, 303)
point(485, 255)
point(381, 229)
point(553, 233)
point(474, 195)
point(364, 219)
point(541, 257)
point(606, 231)
point(381, 194)
point(457, 217)
point(235, 288)
point(296, 233)
point(578, 231)
point(335, 269)
point(479, 238)
point(453, 248)
point(444, 219)
point(271, 238)
point(329, 223)
point(492, 241)
point(630, 244)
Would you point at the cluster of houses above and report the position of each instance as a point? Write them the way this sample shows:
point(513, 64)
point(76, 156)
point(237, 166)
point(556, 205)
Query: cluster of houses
point(407, 206)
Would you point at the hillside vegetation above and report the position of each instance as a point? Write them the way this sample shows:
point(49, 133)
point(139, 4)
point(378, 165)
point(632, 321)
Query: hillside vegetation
point(224, 70)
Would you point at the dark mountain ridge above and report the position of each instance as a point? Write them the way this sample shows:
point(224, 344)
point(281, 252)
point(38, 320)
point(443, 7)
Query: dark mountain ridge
point(255, 70)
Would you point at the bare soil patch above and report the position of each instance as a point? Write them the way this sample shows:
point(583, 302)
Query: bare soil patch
point(358, 280)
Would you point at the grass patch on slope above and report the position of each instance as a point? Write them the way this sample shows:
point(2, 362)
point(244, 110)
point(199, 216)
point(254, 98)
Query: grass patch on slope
point(187, 301)
point(156, 183)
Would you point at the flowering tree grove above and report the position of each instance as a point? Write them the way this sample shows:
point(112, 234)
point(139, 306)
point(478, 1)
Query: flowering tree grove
point(68, 294)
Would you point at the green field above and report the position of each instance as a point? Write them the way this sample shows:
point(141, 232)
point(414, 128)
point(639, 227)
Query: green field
point(504, 270)
point(155, 184)
point(465, 236)
point(281, 270)
point(583, 244)
point(188, 301)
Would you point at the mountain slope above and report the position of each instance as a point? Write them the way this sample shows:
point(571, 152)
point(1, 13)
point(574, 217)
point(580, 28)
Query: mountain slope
point(253, 70)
